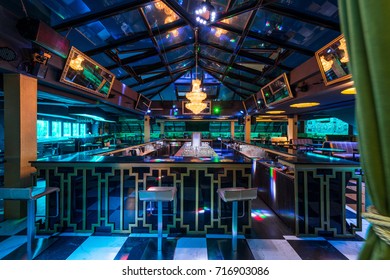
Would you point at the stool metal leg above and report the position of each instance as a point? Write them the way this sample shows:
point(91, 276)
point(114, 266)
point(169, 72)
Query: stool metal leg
point(160, 225)
point(30, 226)
point(234, 226)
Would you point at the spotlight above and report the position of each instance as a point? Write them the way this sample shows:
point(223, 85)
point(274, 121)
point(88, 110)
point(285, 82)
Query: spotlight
point(206, 13)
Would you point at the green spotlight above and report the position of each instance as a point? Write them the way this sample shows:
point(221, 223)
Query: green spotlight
point(217, 110)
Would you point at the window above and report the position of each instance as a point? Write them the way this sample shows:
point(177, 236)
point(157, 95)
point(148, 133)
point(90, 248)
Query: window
point(83, 129)
point(56, 129)
point(67, 129)
point(42, 128)
point(76, 129)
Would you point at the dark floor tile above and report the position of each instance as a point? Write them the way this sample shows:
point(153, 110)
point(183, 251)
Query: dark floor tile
point(316, 250)
point(221, 249)
point(138, 248)
point(62, 248)
point(167, 253)
point(132, 249)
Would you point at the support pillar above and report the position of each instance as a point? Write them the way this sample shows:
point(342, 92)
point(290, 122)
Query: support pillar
point(162, 128)
point(146, 129)
point(232, 129)
point(20, 137)
point(292, 127)
point(247, 129)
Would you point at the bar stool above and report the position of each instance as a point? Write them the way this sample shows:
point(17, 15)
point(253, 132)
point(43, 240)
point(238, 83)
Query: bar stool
point(234, 195)
point(31, 195)
point(159, 194)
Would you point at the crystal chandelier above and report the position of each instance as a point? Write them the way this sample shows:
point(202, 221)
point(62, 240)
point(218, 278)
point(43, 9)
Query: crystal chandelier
point(196, 96)
point(196, 107)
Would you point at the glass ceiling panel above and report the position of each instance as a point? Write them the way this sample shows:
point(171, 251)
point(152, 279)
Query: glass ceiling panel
point(258, 47)
point(292, 31)
point(124, 24)
point(214, 53)
point(213, 65)
point(250, 63)
point(239, 3)
point(243, 73)
point(239, 21)
point(167, 94)
point(216, 76)
point(154, 90)
point(146, 61)
point(226, 94)
point(183, 88)
point(174, 37)
point(326, 9)
point(159, 14)
point(113, 28)
point(152, 83)
point(129, 81)
point(102, 59)
point(63, 10)
point(141, 45)
point(295, 59)
point(180, 52)
point(228, 40)
point(119, 72)
point(67, 9)
point(181, 64)
point(243, 84)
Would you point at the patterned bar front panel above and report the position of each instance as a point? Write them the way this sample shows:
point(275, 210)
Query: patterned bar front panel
point(105, 198)
point(322, 201)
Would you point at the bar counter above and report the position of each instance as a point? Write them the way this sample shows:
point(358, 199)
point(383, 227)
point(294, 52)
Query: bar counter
point(99, 191)
point(312, 193)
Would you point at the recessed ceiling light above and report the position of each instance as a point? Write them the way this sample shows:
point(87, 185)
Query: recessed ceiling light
point(351, 90)
point(275, 112)
point(304, 105)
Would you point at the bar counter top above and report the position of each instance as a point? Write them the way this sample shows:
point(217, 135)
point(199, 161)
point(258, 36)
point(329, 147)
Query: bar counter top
point(94, 157)
point(317, 159)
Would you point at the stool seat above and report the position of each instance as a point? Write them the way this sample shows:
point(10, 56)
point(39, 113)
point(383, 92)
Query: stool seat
point(237, 194)
point(158, 194)
point(30, 194)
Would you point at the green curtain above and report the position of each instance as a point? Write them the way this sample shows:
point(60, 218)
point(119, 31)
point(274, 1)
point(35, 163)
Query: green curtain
point(365, 25)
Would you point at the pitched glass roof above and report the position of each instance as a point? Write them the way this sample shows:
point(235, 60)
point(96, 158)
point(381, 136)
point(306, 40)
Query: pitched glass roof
point(151, 46)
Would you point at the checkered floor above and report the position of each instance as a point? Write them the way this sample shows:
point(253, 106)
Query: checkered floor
point(270, 239)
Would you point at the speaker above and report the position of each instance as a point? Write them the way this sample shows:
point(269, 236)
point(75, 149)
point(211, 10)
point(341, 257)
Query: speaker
point(39, 70)
point(43, 35)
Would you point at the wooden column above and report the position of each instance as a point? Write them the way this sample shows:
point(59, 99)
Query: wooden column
point(292, 127)
point(247, 129)
point(147, 129)
point(232, 129)
point(162, 127)
point(20, 136)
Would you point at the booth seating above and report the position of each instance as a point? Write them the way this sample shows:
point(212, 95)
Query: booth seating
point(300, 143)
point(160, 195)
point(234, 195)
point(31, 195)
point(351, 149)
